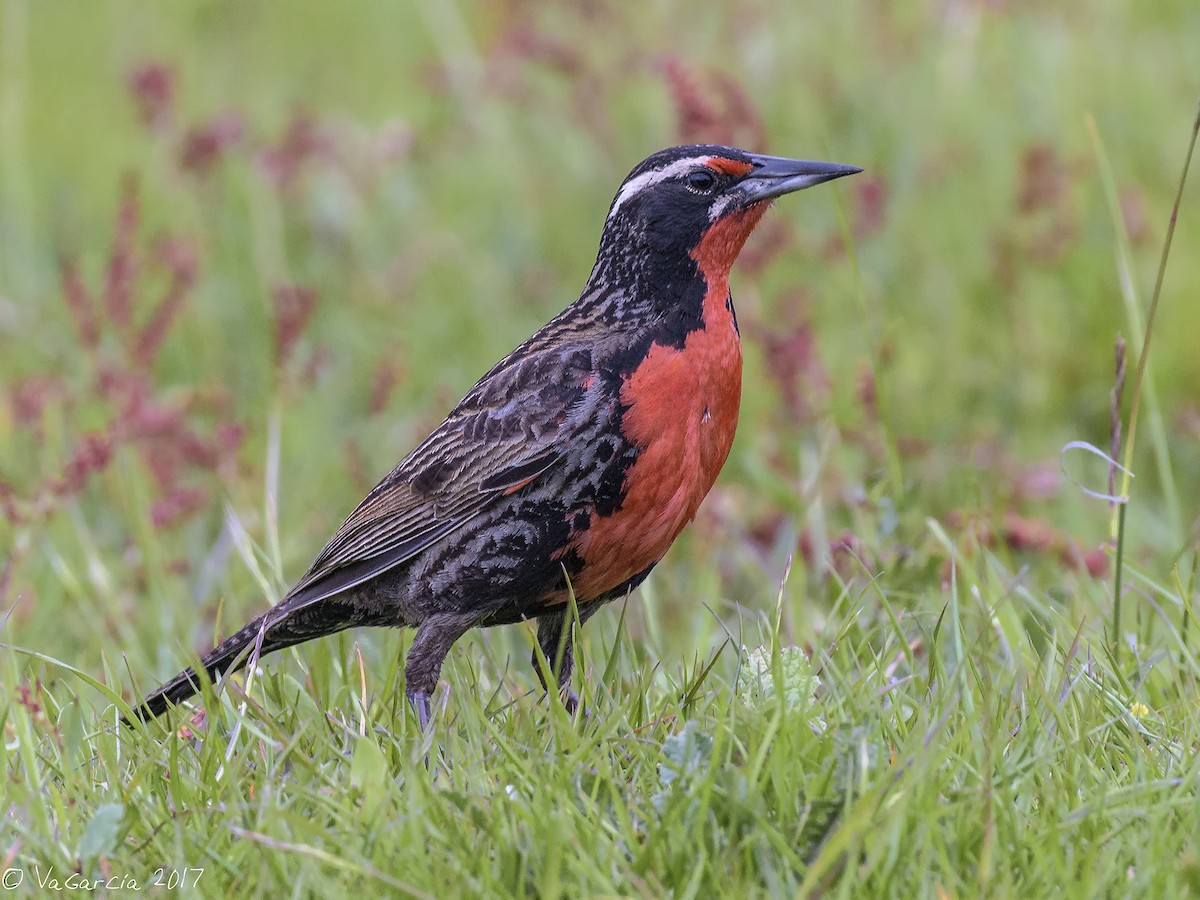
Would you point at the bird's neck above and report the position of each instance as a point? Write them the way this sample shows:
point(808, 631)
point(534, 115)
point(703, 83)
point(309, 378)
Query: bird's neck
point(651, 280)
point(720, 245)
point(638, 289)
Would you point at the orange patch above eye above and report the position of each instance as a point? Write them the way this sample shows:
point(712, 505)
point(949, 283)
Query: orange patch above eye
point(728, 166)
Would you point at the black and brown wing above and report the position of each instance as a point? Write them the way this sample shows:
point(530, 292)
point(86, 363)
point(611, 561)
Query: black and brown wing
point(513, 427)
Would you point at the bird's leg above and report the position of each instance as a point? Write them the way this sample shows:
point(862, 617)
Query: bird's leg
point(554, 638)
point(421, 706)
point(435, 636)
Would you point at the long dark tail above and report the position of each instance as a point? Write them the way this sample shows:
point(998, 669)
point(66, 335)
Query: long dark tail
point(295, 619)
point(231, 654)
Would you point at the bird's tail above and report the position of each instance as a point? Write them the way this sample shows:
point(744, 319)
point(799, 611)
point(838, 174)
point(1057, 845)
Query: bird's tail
point(231, 654)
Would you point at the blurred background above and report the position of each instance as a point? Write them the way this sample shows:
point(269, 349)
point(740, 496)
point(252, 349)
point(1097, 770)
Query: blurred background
point(250, 253)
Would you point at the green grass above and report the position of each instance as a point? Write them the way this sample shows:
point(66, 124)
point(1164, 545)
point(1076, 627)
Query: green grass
point(921, 341)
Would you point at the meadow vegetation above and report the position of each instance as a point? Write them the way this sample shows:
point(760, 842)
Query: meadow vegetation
point(250, 254)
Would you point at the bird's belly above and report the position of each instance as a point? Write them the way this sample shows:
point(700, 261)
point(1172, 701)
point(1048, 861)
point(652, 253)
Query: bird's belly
point(681, 413)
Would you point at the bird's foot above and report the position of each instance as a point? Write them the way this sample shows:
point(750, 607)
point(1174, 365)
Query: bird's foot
point(423, 708)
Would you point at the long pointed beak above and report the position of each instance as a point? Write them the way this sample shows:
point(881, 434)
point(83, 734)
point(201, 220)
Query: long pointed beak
point(774, 176)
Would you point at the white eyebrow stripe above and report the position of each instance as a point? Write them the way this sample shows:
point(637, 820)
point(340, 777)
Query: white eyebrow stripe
point(654, 176)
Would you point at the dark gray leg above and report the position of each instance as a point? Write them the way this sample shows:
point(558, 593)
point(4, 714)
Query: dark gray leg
point(554, 637)
point(435, 636)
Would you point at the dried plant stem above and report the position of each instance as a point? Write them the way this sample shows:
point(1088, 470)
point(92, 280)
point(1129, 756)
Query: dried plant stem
point(1114, 417)
point(1139, 377)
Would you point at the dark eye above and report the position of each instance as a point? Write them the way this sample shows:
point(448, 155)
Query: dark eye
point(701, 180)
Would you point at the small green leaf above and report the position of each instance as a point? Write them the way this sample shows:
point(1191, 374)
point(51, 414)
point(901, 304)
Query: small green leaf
point(686, 752)
point(369, 768)
point(797, 685)
point(102, 832)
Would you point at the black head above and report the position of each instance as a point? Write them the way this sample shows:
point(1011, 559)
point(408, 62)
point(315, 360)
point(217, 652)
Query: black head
point(672, 198)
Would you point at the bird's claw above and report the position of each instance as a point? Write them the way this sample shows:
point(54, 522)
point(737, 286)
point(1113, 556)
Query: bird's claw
point(423, 708)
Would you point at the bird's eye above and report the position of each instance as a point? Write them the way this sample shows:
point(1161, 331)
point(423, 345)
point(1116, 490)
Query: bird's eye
point(701, 180)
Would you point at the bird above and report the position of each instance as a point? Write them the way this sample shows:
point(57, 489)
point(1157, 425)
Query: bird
point(571, 466)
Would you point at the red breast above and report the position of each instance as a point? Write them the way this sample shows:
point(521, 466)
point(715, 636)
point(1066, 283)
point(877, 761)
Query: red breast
point(682, 413)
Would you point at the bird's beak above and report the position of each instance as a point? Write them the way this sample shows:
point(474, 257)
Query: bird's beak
point(774, 176)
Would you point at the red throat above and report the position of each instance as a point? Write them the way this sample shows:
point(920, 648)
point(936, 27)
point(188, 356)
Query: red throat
point(721, 244)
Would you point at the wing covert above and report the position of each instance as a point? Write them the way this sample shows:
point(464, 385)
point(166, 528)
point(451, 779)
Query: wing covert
point(510, 430)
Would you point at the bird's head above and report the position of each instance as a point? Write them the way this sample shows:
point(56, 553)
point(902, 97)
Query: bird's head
point(704, 200)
